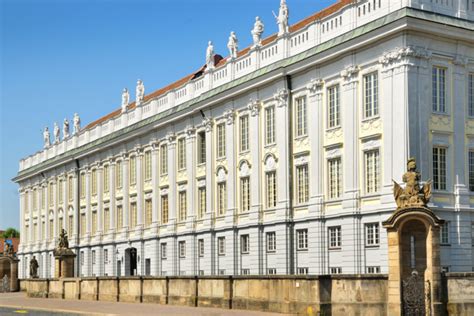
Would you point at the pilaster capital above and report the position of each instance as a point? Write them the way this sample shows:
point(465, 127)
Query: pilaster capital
point(254, 106)
point(281, 97)
point(315, 86)
point(229, 116)
point(190, 131)
point(207, 123)
point(171, 137)
point(349, 74)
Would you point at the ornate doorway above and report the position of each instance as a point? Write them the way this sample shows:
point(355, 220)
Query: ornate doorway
point(130, 261)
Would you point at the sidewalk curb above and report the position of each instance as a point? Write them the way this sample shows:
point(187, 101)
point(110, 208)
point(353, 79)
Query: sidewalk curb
point(42, 309)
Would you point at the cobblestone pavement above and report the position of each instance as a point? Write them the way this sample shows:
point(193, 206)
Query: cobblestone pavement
point(18, 304)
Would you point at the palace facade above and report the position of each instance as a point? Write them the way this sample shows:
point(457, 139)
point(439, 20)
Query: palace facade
point(279, 160)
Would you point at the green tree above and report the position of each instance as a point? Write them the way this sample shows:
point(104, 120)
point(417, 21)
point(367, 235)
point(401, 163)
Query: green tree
point(11, 232)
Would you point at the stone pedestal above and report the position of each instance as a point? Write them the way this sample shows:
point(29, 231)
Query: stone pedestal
point(64, 263)
point(9, 267)
point(414, 279)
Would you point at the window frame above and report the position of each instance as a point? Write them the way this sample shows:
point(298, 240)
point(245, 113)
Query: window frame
point(370, 95)
point(336, 242)
point(302, 239)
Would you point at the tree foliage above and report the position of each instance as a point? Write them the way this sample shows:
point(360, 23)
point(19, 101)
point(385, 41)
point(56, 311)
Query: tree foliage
point(11, 232)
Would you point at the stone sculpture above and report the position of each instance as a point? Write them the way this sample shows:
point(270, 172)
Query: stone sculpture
point(57, 133)
point(282, 18)
point(140, 92)
point(9, 250)
point(210, 56)
point(257, 31)
point(413, 195)
point(65, 128)
point(125, 99)
point(34, 268)
point(77, 123)
point(233, 45)
point(47, 140)
point(63, 240)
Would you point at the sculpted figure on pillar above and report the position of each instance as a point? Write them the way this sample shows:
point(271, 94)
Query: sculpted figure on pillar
point(210, 56)
point(257, 31)
point(77, 123)
point(34, 268)
point(125, 99)
point(140, 92)
point(232, 45)
point(63, 241)
point(282, 18)
point(57, 133)
point(47, 140)
point(65, 128)
point(414, 194)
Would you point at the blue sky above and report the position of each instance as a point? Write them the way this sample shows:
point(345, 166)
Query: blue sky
point(58, 57)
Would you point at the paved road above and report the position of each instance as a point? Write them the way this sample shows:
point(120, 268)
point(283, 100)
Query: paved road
point(18, 304)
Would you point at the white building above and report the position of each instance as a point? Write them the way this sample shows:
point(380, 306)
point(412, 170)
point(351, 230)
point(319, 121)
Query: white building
point(278, 161)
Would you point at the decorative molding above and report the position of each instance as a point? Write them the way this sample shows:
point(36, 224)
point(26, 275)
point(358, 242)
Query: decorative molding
point(281, 97)
point(207, 123)
point(350, 72)
point(371, 144)
point(334, 152)
point(400, 55)
point(301, 160)
point(190, 130)
point(244, 168)
point(221, 174)
point(254, 106)
point(201, 183)
point(315, 85)
point(270, 162)
point(170, 137)
point(460, 61)
point(229, 117)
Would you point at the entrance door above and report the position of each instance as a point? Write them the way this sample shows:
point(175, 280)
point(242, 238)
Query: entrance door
point(131, 261)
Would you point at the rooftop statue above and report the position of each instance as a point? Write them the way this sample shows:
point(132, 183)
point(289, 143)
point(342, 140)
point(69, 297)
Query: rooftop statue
point(282, 18)
point(257, 31)
point(77, 123)
point(57, 133)
point(125, 99)
point(210, 56)
point(34, 268)
point(65, 128)
point(233, 45)
point(413, 195)
point(46, 139)
point(140, 92)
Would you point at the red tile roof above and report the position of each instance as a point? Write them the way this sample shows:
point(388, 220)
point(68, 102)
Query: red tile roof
point(219, 61)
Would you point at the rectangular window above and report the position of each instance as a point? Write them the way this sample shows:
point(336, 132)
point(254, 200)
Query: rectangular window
point(244, 133)
point(470, 91)
point(271, 189)
point(35, 199)
point(43, 230)
point(94, 182)
point(271, 242)
point(471, 170)
point(106, 177)
point(83, 224)
point(334, 115)
point(60, 191)
point(371, 95)
point(35, 231)
point(133, 170)
point(70, 189)
point(303, 271)
point(301, 117)
point(221, 198)
point(335, 270)
point(201, 247)
point(164, 253)
point(93, 257)
point(372, 171)
point(119, 217)
point(373, 270)
point(201, 202)
point(221, 246)
point(164, 159)
point(70, 225)
point(133, 214)
point(147, 165)
point(60, 224)
point(302, 239)
point(439, 89)
point(245, 194)
point(269, 125)
point(164, 209)
point(245, 271)
point(106, 256)
point(106, 223)
point(302, 184)
point(148, 212)
point(182, 249)
point(94, 223)
point(372, 237)
point(244, 244)
point(202, 147)
point(51, 194)
point(82, 258)
point(221, 271)
point(221, 141)
point(439, 168)
point(118, 175)
point(181, 153)
point(182, 206)
point(272, 271)
point(43, 198)
point(444, 233)
point(335, 178)
point(334, 237)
